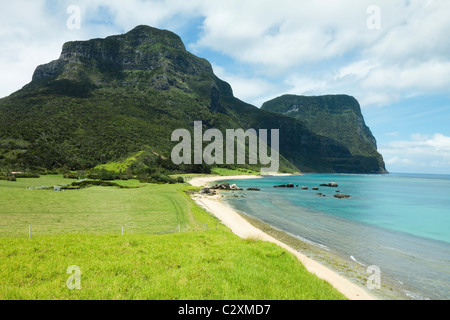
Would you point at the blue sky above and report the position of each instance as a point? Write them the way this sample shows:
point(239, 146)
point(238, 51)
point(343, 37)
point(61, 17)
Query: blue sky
point(393, 56)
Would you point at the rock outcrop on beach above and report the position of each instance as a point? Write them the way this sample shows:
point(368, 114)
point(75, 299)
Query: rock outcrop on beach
point(207, 191)
point(225, 186)
point(222, 187)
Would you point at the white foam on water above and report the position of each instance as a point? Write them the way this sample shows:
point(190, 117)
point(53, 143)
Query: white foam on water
point(354, 259)
point(309, 241)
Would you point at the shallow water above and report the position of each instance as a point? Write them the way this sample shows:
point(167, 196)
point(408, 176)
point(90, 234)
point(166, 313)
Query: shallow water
point(399, 223)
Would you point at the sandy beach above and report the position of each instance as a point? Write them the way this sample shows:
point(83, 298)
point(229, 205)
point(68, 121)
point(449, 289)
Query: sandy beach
point(244, 229)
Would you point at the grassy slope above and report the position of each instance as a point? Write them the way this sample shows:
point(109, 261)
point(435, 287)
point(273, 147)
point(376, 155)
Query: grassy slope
point(197, 264)
point(234, 172)
point(119, 166)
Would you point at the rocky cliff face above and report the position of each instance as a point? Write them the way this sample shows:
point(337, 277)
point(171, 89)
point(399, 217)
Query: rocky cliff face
point(338, 117)
point(104, 99)
point(144, 55)
point(131, 51)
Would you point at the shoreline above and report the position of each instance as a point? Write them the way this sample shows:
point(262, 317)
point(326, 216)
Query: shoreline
point(244, 229)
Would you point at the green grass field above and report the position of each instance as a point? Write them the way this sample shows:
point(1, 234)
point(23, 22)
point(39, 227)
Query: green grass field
point(83, 228)
point(145, 209)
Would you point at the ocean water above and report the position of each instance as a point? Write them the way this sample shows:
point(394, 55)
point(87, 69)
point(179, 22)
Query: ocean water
point(397, 222)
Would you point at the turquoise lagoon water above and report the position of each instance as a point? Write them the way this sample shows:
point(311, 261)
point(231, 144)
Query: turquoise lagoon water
point(398, 222)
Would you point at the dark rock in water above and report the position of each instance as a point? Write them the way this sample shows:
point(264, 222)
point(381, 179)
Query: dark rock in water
point(337, 191)
point(296, 185)
point(315, 188)
point(304, 188)
point(330, 184)
point(341, 196)
point(253, 189)
point(333, 184)
point(321, 194)
point(289, 185)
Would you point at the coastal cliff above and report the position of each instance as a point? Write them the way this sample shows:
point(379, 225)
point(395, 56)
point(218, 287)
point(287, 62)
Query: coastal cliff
point(337, 117)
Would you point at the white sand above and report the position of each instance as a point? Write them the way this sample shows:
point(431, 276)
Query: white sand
point(244, 229)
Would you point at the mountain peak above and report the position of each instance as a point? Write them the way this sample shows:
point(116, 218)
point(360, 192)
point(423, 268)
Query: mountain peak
point(142, 48)
point(143, 34)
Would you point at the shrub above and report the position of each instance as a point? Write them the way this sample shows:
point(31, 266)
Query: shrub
point(156, 178)
point(70, 176)
point(8, 178)
point(27, 175)
point(102, 175)
point(87, 183)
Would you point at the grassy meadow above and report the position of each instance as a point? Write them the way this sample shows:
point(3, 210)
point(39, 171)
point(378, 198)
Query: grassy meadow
point(152, 260)
point(141, 209)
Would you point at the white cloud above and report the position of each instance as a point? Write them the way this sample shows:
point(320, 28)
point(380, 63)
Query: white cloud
point(305, 85)
point(31, 33)
point(253, 90)
point(416, 31)
point(358, 70)
point(317, 46)
point(422, 153)
point(428, 76)
point(407, 56)
point(283, 34)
